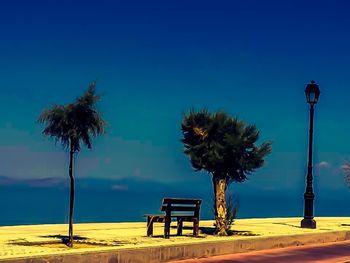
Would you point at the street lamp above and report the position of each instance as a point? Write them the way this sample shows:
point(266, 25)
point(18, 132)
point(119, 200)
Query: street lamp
point(312, 93)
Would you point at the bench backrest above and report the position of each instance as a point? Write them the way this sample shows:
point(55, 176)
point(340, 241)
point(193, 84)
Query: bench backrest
point(186, 206)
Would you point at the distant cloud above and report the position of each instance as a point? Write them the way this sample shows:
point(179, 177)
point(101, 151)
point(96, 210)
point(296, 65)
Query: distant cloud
point(120, 187)
point(8, 125)
point(136, 172)
point(41, 182)
point(107, 161)
point(323, 164)
point(28, 155)
point(23, 162)
point(124, 158)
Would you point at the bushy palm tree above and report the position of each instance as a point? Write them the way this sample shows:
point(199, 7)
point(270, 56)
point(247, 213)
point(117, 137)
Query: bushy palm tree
point(226, 148)
point(74, 125)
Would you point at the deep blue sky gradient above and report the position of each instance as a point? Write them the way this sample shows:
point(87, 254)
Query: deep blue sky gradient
point(154, 60)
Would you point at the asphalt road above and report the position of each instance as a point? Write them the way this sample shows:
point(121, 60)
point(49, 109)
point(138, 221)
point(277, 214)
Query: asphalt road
point(331, 252)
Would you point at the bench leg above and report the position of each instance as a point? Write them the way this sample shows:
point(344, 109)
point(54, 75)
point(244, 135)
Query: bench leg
point(167, 221)
point(179, 227)
point(195, 228)
point(149, 226)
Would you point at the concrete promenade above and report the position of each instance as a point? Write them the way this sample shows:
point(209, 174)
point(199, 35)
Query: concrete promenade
point(127, 242)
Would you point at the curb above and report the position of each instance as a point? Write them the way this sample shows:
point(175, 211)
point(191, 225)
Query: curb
point(167, 253)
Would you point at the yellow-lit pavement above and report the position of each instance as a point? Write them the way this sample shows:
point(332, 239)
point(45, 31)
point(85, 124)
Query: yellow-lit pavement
point(249, 235)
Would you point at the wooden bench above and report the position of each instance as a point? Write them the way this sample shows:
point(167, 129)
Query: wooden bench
point(182, 209)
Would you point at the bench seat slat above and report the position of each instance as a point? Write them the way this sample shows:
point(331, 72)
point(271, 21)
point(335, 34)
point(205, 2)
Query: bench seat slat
point(173, 208)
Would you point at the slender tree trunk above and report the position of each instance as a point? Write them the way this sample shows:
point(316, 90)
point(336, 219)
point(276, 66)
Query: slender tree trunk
point(71, 197)
point(220, 185)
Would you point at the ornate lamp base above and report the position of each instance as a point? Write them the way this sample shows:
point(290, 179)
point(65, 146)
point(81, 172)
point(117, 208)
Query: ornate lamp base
point(308, 223)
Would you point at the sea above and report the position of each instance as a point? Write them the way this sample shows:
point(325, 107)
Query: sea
point(128, 201)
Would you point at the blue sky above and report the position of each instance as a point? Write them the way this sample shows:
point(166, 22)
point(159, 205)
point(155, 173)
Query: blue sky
point(154, 60)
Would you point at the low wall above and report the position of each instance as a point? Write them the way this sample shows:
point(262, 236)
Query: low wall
point(187, 251)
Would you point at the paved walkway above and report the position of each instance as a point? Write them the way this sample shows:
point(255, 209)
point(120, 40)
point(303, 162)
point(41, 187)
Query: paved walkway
point(330, 253)
point(118, 238)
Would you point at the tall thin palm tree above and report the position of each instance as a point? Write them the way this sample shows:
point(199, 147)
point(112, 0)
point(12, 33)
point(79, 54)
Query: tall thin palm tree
point(74, 125)
point(226, 148)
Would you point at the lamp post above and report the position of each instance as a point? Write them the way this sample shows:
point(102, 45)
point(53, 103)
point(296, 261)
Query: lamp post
point(312, 93)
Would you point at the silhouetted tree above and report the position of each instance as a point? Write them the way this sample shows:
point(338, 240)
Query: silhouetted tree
point(224, 147)
point(72, 125)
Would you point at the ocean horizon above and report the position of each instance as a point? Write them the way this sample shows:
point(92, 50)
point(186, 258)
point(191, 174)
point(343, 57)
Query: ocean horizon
point(105, 201)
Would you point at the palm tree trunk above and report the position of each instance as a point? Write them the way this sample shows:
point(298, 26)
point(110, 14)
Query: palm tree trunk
point(71, 197)
point(220, 185)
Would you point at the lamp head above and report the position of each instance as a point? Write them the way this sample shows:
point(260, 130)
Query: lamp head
point(312, 92)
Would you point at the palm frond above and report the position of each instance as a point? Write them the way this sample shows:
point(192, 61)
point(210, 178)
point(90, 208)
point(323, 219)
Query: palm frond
point(221, 144)
point(75, 123)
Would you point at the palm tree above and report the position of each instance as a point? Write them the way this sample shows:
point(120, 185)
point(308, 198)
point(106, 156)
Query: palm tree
point(72, 125)
point(226, 148)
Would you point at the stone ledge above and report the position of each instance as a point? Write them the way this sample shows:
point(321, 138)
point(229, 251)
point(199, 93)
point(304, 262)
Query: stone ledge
point(187, 251)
